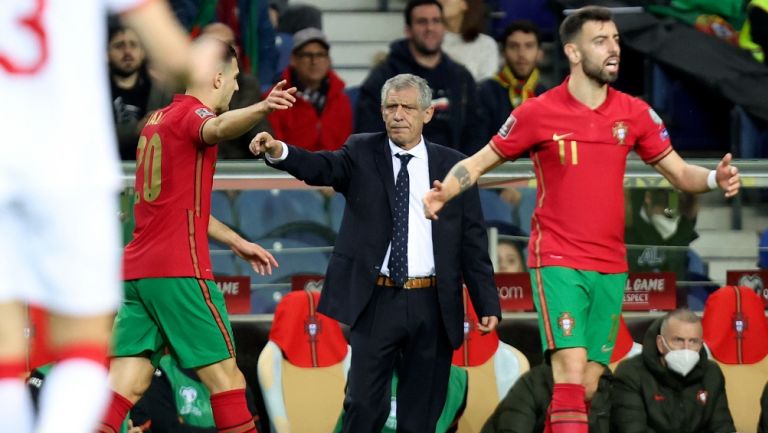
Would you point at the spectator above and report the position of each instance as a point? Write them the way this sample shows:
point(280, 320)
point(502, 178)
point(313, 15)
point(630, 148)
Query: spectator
point(524, 407)
point(321, 118)
point(454, 123)
point(661, 222)
point(672, 387)
point(509, 256)
point(517, 80)
point(134, 94)
point(248, 93)
point(754, 34)
point(464, 41)
point(296, 17)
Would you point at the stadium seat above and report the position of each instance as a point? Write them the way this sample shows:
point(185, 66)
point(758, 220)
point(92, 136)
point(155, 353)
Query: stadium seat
point(291, 260)
point(222, 260)
point(492, 368)
point(221, 208)
point(494, 208)
point(303, 368)
point(736, 333)
point(260, 211)
point(310, 232)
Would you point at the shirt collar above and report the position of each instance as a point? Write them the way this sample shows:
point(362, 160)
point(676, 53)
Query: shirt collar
point(418, 151)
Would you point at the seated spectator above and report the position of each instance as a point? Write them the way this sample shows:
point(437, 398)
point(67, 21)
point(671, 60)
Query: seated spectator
point(518, 79)
point(662, 219)
point(321, 117)
point(134, 94)
point(454, 123)
point(510, 256)
point(524, 407)
point(464, 41)
point(248, 93)
point(672, 387)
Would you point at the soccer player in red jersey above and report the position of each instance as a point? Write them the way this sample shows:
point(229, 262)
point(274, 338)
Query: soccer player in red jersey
point(170, 298)
point(578, 136)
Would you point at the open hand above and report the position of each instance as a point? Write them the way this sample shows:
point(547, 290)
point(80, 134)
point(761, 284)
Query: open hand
point(279, 98)
point(260, 259)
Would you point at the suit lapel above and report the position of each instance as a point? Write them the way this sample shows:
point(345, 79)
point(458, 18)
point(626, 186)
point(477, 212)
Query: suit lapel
point(383, 160)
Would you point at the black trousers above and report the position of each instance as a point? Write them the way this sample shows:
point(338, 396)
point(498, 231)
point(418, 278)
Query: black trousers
point(400, 328)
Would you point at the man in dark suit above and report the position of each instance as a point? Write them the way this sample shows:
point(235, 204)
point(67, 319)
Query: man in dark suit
point(394, 276)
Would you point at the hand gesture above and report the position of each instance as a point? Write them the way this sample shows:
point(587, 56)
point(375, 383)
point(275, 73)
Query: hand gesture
point(727, 176)
point(434, 200)
point(487, 324)
point(260, 259)
point(139, 428)
point(279, 99)
point(263, 142)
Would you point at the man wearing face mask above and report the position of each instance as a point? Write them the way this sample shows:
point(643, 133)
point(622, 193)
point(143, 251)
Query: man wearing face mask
point(665, 218)
point(672, 386)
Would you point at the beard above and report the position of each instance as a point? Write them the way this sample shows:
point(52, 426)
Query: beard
point(122, 72)
point(425, 50)
point(598, 74)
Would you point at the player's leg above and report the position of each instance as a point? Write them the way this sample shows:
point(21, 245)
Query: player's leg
point(193, 316)
point(603, 325)
point(135, 338)
point(16, 410)
point(74, 235)
point(562, 301)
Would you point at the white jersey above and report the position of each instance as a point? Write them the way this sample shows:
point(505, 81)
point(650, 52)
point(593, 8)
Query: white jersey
point(57, 124)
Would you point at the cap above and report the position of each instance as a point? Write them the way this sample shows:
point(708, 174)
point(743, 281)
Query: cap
point(735, 327)
point(310, 34)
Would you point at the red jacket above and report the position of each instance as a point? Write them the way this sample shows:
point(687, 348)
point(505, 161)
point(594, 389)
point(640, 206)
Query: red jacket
point(301, 126)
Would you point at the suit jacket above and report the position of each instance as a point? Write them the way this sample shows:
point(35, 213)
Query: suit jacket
point(362, 171)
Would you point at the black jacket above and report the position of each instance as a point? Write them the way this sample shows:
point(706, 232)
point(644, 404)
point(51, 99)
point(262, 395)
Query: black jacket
point(524, 407)
point(762, 426)
point(494, 106)
point(455, 122)
point(648, 397)
point(362, 171)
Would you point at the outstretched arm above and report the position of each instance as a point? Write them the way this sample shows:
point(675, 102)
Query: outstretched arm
point(235, 123)
point(696, 179)
point(259, 258)
point(461, 177)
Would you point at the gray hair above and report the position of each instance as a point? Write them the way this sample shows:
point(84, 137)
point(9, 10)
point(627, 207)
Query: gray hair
point(403, 81)
point(682, 314)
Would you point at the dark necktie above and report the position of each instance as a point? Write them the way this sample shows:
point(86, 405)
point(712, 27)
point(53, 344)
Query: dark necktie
point(398, 256)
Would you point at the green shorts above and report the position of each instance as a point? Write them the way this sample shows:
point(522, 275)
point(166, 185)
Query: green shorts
point(578, 309)
point(186, 315)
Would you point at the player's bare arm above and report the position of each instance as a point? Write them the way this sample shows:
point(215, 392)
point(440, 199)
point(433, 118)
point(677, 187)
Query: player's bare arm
point(164, 39)
point(235, 123)
point(696, 179)
point(260, 259)
point(459, 179)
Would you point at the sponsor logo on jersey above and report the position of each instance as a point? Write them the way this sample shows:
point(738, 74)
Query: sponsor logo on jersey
point(204, 112)
point(620, 132)
point(566, 322)
point(558, 137)
point(507, 126)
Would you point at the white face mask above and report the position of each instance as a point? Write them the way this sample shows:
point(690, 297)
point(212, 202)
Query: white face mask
point(664, 225)
point(680, 361)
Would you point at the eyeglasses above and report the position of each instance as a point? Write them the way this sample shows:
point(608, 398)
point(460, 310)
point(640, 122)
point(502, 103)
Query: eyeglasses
point(304, 55)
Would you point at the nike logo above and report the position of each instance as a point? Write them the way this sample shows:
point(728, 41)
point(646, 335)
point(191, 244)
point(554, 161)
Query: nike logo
point(658, 397)
point(606, 349)
point(556, 137)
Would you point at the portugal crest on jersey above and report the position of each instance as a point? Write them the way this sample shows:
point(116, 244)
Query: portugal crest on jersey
point(566, 323)
point(620, 132)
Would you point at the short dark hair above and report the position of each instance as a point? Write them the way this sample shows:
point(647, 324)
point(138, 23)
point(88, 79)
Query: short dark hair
point(114, 26)
point(413, 4)
point(572, 25)
point(525, 26)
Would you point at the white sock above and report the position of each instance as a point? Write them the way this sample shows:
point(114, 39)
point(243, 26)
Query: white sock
point(16, 411)
point(74, 397)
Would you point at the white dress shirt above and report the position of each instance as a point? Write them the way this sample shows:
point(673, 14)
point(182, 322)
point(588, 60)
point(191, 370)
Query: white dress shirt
point(421, 260)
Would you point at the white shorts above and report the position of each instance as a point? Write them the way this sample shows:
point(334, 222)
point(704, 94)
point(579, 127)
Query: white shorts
point(60, 249)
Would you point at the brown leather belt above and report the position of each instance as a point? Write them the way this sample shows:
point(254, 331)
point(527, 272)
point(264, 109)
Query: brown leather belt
point(410, 283)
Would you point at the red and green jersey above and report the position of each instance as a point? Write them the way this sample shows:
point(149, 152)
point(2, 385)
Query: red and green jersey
point(174, 177)
point(580, 156)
